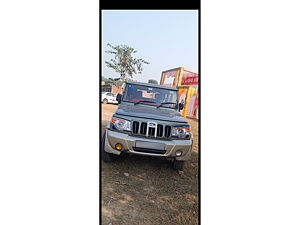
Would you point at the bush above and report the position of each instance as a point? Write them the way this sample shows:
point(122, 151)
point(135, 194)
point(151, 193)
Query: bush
point(152, 81)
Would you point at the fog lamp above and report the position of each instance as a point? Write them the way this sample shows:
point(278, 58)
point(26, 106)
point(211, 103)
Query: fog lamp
point(118, 146)
point(178, 153)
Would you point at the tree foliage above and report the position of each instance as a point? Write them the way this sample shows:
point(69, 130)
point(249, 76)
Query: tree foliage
point(104, 79)
point(113, 81)
point(151, 81)
point(123, 62)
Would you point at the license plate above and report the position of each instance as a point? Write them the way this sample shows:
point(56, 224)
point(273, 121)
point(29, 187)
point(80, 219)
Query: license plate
point(151, 145)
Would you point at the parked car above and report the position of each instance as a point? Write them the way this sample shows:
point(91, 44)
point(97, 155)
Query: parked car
point(107, 97)
point(148, 122)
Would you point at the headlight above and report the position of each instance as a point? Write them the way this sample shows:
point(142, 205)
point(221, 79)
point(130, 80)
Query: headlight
point(181, 132)
point(121, 124)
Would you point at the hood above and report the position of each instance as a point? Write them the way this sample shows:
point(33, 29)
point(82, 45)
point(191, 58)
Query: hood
point(150, 112)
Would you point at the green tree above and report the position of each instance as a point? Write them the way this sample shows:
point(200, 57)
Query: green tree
point(104, 79)
point(123, 62)
point(114, 81)
point(151, 81)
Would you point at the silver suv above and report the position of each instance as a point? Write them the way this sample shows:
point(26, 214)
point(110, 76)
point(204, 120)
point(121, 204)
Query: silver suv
point(148, 122)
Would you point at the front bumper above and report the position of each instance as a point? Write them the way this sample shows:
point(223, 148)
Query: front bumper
point(128, 142)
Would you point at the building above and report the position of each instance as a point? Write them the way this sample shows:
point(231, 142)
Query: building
point(111, 88)
point(187, 83)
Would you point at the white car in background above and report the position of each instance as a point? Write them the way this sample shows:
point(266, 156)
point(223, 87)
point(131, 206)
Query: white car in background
point(107, 97)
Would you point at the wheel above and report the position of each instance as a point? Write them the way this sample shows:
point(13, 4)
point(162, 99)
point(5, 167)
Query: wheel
point(105, 101)
point(106, 157)
point(178, 164)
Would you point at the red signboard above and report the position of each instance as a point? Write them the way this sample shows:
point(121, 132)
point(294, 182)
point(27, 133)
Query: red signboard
point(189, 78)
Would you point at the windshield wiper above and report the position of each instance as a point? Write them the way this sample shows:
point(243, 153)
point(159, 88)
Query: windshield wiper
point(143, 101)
point(165, 103)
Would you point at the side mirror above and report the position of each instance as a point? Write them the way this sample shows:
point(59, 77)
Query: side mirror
point(181, 106)
point(118, 98)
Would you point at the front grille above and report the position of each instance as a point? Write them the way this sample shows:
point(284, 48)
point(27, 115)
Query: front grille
point(148, 150)
point(156, 130)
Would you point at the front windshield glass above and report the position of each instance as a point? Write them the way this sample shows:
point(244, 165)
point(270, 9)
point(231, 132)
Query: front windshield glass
point(140, 94)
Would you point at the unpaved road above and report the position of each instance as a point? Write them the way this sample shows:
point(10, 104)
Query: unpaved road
point(152, 193)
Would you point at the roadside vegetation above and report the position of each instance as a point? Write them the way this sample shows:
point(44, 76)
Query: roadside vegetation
point(123, 62)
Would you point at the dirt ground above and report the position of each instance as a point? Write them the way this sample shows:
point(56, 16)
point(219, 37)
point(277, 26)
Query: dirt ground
point(152, 193)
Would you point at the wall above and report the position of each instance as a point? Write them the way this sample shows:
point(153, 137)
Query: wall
point(111, 88)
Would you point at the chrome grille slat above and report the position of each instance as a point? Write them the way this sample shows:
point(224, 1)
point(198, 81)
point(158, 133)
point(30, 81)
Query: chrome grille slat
point(140, 128)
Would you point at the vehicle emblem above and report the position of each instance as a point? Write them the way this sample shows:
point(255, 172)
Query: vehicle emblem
point(152, 124)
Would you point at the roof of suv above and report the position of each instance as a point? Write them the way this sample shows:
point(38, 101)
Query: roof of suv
point(152, 85)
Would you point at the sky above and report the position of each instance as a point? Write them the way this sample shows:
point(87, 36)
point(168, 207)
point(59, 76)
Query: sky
point(166, 39)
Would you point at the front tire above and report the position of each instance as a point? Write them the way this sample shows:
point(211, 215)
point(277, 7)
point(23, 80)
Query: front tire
point(106, 157)
point(178, 165)
point(105, 101)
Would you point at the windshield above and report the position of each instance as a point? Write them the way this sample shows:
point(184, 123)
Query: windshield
point(140, 94)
